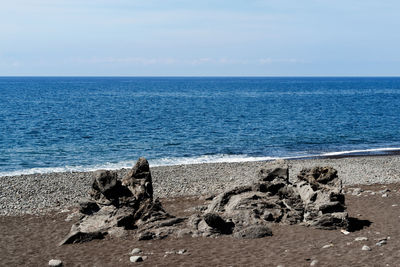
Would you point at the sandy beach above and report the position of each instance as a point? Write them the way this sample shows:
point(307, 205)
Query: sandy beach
point(33, 210)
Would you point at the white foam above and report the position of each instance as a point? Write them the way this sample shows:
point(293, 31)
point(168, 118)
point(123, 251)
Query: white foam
point(337, 153)
point(107, 166)
point(170, 161)
point(207, 159)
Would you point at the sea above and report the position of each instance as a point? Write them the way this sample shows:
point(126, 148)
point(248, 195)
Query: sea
point(57, 124)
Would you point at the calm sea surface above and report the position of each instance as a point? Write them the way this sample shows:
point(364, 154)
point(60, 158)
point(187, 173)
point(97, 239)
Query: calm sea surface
point(65, 124)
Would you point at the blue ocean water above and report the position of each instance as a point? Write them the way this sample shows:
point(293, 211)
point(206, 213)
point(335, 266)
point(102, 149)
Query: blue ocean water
point(84, 123)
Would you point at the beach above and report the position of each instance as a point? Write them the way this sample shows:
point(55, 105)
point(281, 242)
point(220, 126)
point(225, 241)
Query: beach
point(34, 209)
point(39, 192)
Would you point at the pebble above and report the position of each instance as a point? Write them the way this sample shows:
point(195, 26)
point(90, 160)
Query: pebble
point(356, 191)
point(137, 258)
point(37, 195)
point(314, 263)
point(55, 263)
point(345, 232)
point(385, 195)
point(395, 205)
point(328, 246)
point(361, 238)
point(381, 242)
point(366, 248)
point(135, 251)
point(181, 251)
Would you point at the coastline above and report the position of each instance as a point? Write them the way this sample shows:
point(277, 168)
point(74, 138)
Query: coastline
point(38, 193)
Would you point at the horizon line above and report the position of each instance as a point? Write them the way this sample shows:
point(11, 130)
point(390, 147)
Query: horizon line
point(200, 76)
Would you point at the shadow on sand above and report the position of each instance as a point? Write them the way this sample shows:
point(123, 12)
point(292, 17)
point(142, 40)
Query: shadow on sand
point(357, 224)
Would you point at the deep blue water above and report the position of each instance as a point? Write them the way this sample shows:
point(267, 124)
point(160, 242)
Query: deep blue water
point(71, 123)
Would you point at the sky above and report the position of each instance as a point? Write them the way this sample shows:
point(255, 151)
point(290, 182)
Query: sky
point(199, 38)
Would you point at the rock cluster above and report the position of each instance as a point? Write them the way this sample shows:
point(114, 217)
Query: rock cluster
point(314, 199)
point(117, 205)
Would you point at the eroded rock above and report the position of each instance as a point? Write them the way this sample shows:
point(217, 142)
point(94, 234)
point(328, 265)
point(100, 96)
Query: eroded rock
point(314, 199)
point(321, 192)
point(117, 205)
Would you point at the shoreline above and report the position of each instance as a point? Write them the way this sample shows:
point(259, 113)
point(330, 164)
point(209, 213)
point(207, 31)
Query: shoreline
point(35, 193)
point(168, 162)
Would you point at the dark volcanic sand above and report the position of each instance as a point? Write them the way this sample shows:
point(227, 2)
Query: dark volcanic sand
point(30, 240)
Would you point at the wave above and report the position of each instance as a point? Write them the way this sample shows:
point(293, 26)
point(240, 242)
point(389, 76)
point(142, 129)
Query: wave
point(219, 158)
point(360, 151)
point(171, 161)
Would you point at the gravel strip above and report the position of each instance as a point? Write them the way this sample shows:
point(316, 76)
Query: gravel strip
point(36, 193)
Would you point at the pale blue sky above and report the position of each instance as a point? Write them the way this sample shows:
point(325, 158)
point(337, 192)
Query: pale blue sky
point(200, 38)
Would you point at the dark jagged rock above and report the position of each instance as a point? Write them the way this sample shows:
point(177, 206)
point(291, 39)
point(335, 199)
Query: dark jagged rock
point(319, 176)
point(88, 206)
point(117, 205)
point(272, 174)
point(321, 191)
point(216, 222)
point(121, 204)
point(315, 199)
point(139, 181)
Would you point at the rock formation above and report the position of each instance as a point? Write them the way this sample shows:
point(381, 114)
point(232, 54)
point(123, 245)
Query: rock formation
point(315, 199)
point(118, 205)
point(321, 192)
point(115, 205)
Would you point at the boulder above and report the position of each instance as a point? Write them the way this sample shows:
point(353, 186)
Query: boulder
point(324, 203)
point(117, 205)
point(314, 199)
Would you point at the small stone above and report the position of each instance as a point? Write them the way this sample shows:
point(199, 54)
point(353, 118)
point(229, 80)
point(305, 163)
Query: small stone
point(135, 251)
point(381, 242)
point(345, 232)
point(137, 258)
point(366, 248)
point(181, 251)
point(314, 263)
point(372, 193)
point(395, 205)
point(356, 191)
point(328, 246)
point(384, 191)
point(361, 238)
point(385, 195)
point(55, 263)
